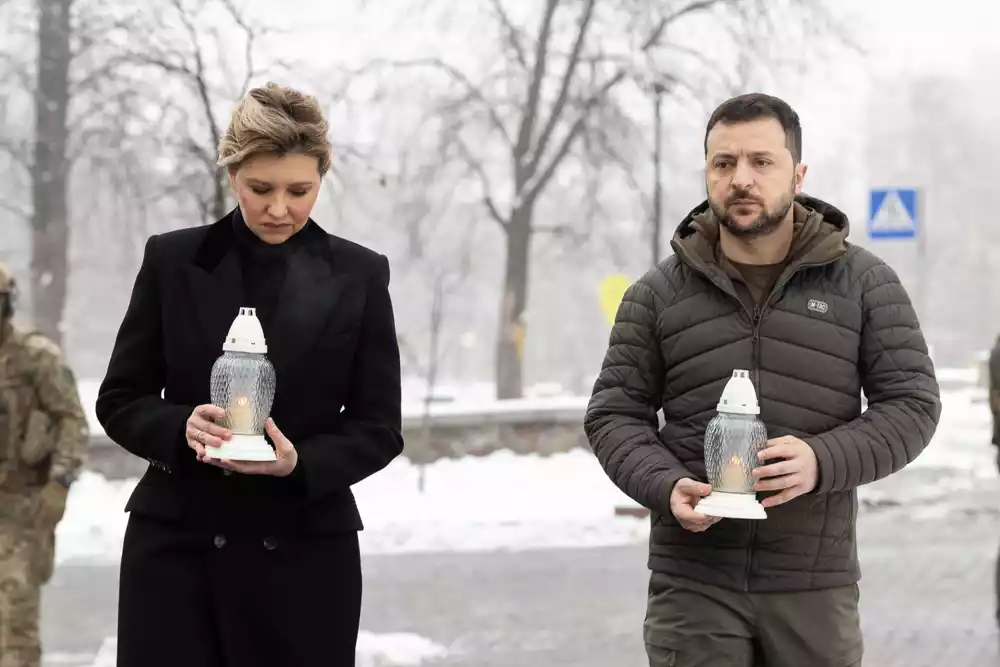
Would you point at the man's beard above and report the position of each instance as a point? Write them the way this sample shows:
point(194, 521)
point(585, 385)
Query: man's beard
point(766, 222)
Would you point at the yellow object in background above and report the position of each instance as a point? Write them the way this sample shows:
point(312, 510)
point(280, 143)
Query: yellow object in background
point(610, 293)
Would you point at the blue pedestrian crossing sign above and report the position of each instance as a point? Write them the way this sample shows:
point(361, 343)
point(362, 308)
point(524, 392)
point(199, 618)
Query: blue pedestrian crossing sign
point(892, 213)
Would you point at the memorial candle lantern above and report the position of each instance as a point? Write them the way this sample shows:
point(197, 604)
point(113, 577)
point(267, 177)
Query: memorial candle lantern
point(243, 384)
point(732, 441)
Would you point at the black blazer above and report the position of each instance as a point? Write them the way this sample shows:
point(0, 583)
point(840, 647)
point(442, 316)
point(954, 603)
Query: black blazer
point(334, 349)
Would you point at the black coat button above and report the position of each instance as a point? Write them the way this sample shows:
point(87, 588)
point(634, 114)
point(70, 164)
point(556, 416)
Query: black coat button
point(219, 541)
point(270, 544)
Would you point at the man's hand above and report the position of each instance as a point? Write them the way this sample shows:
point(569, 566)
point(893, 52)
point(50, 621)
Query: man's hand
point(796, 475)
point(683, 499)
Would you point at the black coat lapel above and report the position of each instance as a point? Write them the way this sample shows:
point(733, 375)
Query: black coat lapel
point(215, 281)
point(311, 290)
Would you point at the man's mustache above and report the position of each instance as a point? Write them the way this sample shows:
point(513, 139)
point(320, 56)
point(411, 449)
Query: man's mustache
point(744, 196)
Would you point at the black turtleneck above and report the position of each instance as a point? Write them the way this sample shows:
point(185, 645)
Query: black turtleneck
point(264, 268)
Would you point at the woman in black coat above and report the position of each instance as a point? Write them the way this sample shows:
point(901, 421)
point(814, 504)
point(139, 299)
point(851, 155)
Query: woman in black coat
point(238, 564)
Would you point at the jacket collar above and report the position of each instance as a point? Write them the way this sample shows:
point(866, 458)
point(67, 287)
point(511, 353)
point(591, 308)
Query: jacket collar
point(311, 290)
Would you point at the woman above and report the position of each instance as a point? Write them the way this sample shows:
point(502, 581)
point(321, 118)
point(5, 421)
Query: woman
point(230, 564)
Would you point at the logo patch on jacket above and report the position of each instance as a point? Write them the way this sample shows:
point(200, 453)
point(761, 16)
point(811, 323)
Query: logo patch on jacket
point(817, 306)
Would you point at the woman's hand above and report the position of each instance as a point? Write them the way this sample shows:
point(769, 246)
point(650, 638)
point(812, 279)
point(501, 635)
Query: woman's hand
point(202, 431)
point(288, 458)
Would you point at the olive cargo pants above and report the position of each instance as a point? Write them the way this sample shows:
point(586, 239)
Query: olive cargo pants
point(690, 624)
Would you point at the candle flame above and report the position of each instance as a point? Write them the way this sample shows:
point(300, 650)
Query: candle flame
point(732, 478)
point(241, 416)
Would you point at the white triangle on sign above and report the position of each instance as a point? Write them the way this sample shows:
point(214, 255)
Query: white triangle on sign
point(892, 215)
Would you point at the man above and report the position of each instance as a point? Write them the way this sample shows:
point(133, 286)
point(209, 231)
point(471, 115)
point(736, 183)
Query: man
point(994, 393)
point(993, 377)
point(762, 278)
point(43, 442)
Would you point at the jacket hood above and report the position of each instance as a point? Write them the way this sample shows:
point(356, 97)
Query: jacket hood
point(821, 231)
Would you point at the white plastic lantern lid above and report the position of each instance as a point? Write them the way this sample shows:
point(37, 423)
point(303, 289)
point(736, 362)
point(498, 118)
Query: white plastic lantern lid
point(246, 334)
point(739, 396)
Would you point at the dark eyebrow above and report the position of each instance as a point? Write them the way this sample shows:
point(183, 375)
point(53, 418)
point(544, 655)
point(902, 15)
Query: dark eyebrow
point(726, 154)
point(265, 184)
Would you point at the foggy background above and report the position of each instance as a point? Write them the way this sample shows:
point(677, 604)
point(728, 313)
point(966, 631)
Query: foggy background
point(505, 194)
point(889, 93)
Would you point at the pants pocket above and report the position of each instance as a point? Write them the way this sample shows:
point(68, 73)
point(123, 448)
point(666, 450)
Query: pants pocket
point(661, 657)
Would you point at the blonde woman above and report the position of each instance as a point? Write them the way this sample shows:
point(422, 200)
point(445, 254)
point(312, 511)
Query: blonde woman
point(230, 564)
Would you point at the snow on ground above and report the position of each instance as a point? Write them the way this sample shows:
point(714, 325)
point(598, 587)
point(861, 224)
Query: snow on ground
point(963, 438)
point(373, 650)
point(398, 648)
point(511, 502)
point(500, 501)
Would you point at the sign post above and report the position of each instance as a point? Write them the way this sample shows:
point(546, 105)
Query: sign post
point(894, 213)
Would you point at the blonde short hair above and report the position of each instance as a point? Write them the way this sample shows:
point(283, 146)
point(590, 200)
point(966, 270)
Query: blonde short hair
point(275, 120)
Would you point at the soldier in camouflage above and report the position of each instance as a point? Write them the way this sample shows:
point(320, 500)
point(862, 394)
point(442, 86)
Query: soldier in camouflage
point(43, 443)
point(993, 383)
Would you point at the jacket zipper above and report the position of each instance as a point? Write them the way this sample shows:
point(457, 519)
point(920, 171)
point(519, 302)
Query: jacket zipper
point(756, 318)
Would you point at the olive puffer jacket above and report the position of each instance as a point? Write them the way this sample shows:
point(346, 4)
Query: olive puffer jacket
point(838, 322)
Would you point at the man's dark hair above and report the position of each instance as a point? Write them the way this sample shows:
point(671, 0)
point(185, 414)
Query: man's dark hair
point(754, 106)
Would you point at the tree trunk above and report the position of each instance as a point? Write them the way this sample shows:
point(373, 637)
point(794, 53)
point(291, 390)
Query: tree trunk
point(50, 170)
point(220, 199)
point(513, 304)
point(433, 359)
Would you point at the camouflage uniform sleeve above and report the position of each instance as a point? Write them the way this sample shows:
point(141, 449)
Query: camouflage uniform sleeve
point(60, 400)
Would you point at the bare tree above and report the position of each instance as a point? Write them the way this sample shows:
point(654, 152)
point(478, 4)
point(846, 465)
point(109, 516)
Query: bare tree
point(63, 81)
point(435, 258)
point(96, 109)
point(547, 99)
point(444, 283)
point(189, 41)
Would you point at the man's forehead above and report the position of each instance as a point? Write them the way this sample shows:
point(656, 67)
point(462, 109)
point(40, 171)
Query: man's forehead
point(756, 136)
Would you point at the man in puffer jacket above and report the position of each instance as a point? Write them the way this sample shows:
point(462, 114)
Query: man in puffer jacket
point(762, 278)
point(994, 400)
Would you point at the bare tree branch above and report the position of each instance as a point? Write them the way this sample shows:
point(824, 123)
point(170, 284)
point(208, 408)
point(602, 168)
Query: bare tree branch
point(248, 51)
point(477, 167)
point(530, 111)
point(567, 81)
point(512, 35)
point(541, 178)
point(474, 92)
point(15, 210)
point(19, 69)
point(19, 151)
point(198, 74)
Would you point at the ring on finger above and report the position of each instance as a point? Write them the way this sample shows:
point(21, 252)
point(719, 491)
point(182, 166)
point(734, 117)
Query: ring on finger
point(198, 436)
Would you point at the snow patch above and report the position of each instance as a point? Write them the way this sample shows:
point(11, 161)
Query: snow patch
point(373, 650)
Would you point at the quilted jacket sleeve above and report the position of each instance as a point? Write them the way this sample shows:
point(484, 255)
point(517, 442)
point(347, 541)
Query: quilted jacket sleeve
point(898, 379)
point(621, 422)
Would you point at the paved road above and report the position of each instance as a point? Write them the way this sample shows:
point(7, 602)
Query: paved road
point(927, 598)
